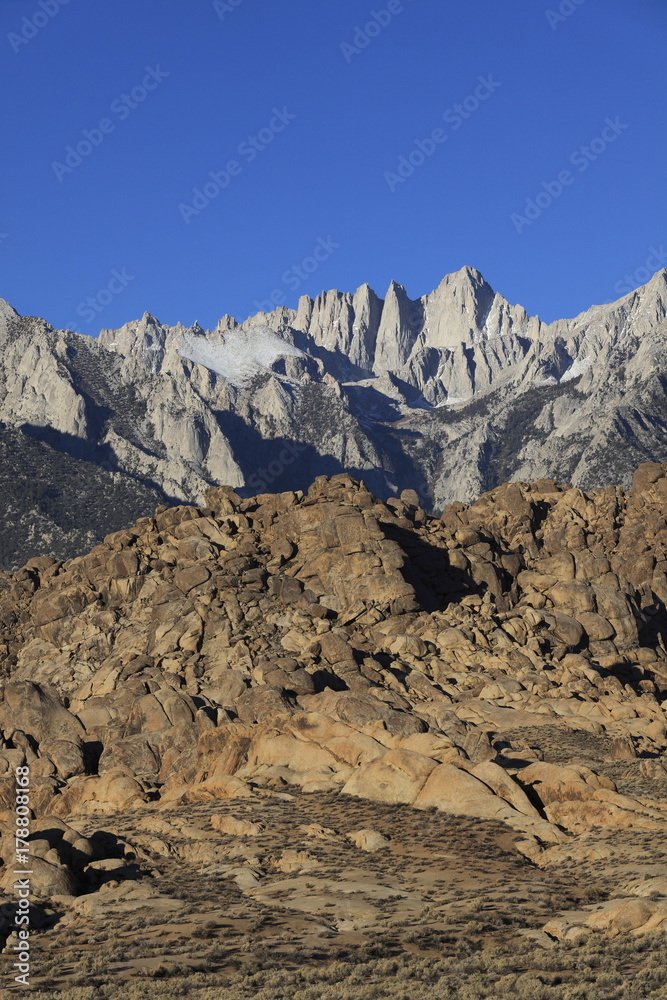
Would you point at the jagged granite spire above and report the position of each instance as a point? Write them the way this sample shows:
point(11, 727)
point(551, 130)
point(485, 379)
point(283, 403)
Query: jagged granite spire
point(448, 394)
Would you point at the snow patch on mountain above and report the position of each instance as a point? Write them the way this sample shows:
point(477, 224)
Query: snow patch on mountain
point(238, 356)
point(576, 369)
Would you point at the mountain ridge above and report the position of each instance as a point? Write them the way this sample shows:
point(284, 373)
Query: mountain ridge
point(449, 394)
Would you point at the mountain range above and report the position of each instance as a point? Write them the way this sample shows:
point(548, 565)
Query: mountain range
point(449, 394)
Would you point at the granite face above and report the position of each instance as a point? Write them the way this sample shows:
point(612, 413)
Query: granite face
point(450, 394)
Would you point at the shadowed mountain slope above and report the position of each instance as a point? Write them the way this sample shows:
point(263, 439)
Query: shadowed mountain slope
point(449, 394)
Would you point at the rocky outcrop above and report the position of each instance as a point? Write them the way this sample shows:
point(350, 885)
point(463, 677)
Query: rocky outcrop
point(341, 644)
point(325, 707)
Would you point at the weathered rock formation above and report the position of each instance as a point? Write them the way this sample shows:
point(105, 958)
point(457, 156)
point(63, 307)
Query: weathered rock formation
point(506, 661)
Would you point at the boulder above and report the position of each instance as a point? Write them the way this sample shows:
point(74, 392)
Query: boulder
point(369, 840)
point(397, 776)
point(235, 827)
point(27, 707)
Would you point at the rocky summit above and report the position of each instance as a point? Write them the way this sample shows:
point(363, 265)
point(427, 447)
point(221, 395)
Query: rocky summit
point(323, 744)
point(450, 394)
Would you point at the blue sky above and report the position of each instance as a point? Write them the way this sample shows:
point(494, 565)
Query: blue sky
point(327, 146)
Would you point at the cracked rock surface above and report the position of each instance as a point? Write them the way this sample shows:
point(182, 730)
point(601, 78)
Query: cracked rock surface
point(330, 706)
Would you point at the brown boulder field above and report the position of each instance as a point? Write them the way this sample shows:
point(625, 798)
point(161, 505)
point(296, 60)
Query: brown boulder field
point(502, 665)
